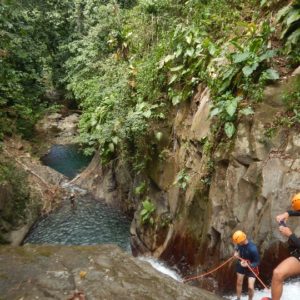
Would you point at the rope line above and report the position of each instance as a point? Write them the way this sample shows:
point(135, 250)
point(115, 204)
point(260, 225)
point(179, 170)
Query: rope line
point(186, 279)
point(241, 259)
point(213, 270)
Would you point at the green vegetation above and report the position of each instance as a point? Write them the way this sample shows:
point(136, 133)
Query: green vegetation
point(182, 179)
point(126, 64)
point(147, 211)
point(289, 16)
point(14, 199)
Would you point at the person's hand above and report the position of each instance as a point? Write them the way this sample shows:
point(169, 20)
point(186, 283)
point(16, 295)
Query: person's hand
point(282, 217)
point(286, 231)
point(244, 263)
point(236, 254)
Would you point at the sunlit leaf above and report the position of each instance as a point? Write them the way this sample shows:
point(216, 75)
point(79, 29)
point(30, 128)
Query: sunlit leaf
point(247, 111)
point(231, 107)
point(229, 129)
point(271, 74)
point(173, 78)
point(175, 69)
point(215, 112)
point(240, 57)
point(176, 99)
point(248, 70)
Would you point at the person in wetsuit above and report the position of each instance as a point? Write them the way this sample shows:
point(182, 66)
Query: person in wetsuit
point(290, 266)
point(246, 250)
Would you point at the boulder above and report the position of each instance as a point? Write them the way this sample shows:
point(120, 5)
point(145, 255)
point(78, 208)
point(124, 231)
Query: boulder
point(94, 272)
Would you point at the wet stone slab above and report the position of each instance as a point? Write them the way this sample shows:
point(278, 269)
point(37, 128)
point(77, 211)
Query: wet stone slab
point(99, 272)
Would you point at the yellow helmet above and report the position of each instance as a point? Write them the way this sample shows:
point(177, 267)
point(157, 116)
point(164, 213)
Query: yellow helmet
point(296, 202)
point(239, 237)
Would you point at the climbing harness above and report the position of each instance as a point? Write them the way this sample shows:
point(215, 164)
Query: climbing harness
point(186, 279)
point(253, 271)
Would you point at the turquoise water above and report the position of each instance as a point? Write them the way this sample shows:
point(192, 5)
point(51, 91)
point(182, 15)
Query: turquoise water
point(89, 222)
point(66, 159)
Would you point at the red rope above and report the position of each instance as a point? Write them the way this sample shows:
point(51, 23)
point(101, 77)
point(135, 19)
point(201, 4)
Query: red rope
point(241, 259)
point(223, 264)
point(204, 274)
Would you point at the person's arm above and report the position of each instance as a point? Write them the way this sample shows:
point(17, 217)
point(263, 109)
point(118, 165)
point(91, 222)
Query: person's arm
point(294, 213)
point(255, 257)
point(294, 240)
point(290, 213)
point(286, 231)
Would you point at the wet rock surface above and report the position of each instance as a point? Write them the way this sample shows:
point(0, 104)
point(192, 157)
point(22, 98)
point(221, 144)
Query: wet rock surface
point(95, 272)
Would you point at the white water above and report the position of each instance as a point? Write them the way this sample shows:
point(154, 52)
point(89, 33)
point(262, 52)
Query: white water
point(291, 291)
point(159, 266)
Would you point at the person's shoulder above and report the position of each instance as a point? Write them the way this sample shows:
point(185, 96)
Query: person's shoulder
point(252, 245)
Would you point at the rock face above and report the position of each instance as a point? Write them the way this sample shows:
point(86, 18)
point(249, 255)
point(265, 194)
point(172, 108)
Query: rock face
point(19, 211)
point(97, 272)
point(58, 128)
point(204, 190)
point(110, 183)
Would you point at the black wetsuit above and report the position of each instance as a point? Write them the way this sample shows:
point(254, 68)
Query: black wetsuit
point(294, 242)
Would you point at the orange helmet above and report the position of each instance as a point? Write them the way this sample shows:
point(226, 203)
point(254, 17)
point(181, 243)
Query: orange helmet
point(239, 237)
point(296, 202)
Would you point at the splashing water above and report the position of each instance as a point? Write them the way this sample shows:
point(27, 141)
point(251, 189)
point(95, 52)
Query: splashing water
point(291, 291)
point(161, 267)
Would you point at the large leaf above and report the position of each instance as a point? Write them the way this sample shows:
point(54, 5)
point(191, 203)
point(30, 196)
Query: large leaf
point(294, 37)
point(144, 212)
point(248, 70)
point(240, 57)
point(268, 54)
point(293, 16)
point(284, 11)
point(166, 60)
point(178, 51)
point(147, 113)
point(229, 129)
point(176, 99)
point(263, 2)
point(175, 69)
point(215, 112)
point(271, 74)
point(231, 107)
point(189, 52)
point(188, 39)
point(173, 78)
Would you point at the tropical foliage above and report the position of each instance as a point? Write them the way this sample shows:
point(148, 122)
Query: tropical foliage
point(127, 63)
